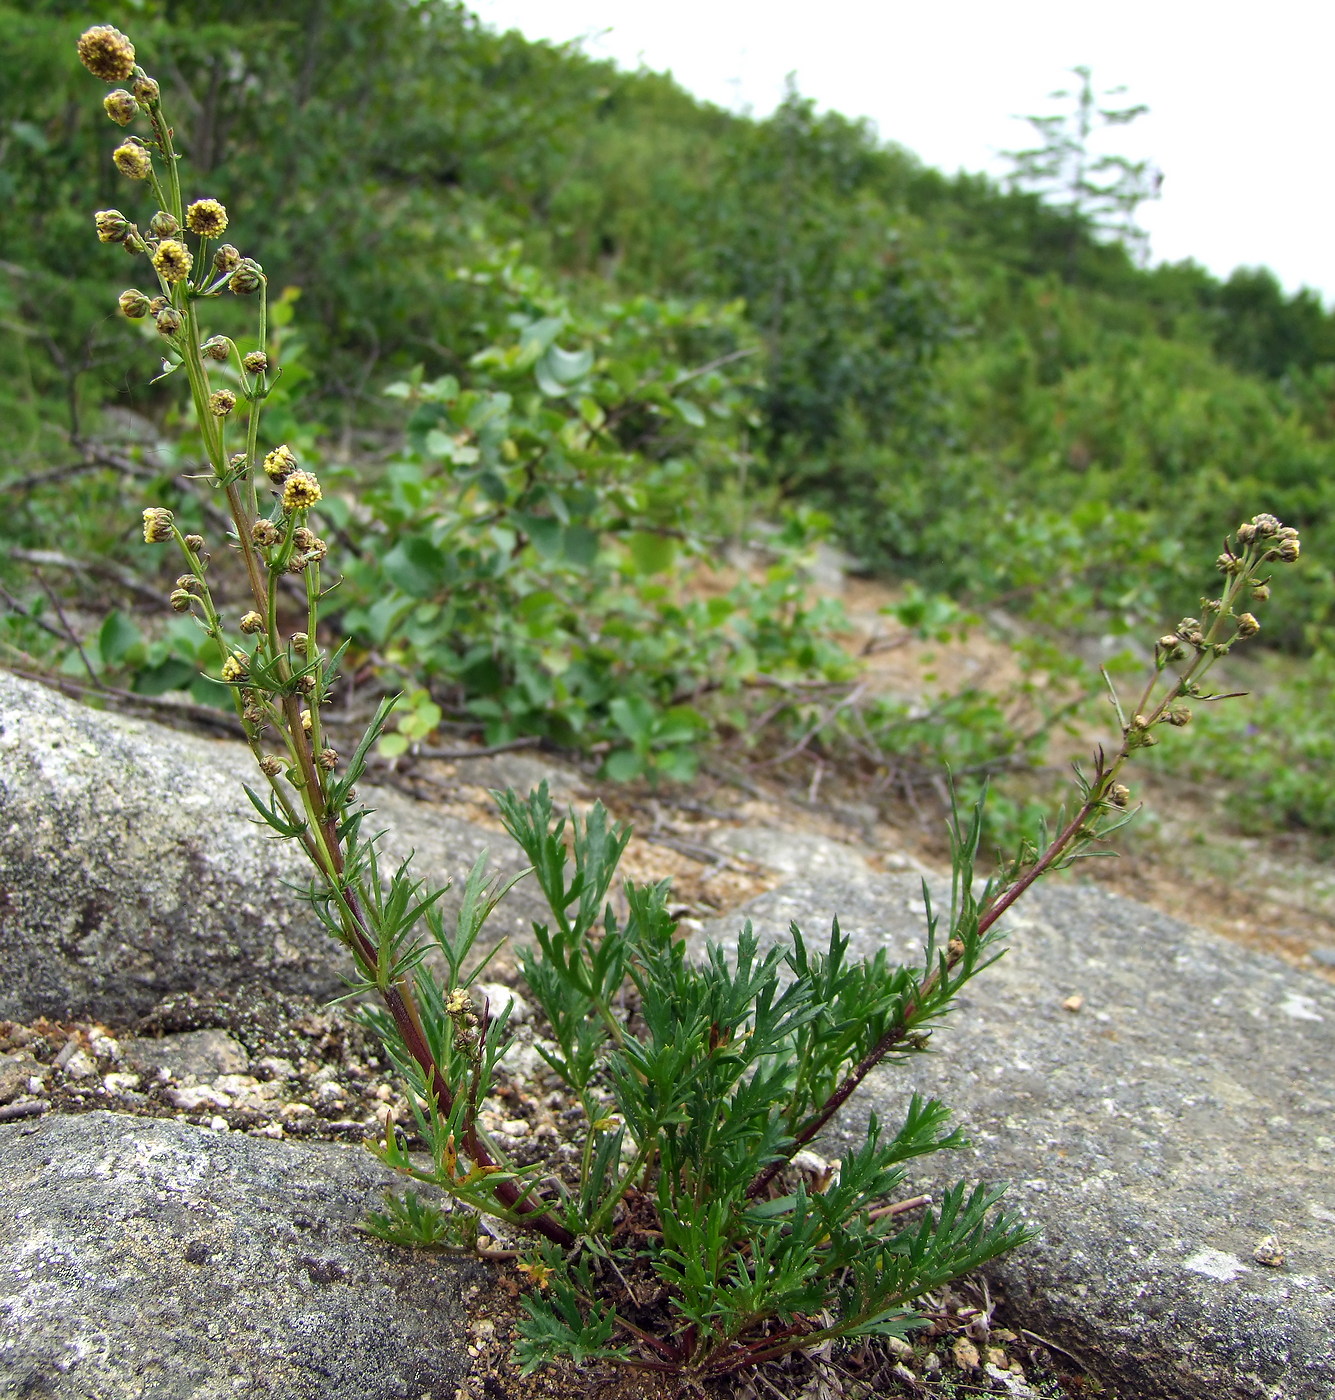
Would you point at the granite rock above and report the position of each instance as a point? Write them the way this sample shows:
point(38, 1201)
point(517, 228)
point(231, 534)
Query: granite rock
point(131, 867)
point(144, 1259)
point(1155, 1136)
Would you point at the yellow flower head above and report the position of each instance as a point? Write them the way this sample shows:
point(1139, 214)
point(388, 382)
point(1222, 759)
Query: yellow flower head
point(172, 260)
point(280, 463)
point(222, 403)
point(236, 667)
point(300, 491)
point(157, 525)
point(106, 53)
point(132, 160)
point(206, 217)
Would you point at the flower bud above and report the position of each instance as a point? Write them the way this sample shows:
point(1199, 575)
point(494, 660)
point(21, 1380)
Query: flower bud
point(271, 765)
point(112, 226)
point(252, 622)
point(120, 106)
point(247, 277)
point(163, 225)
point(157, 305)
point(1260, 592)
point(301, 644)
point(169, 321)
point(265, 533)
point(225, 258)
point(1248, 625)
point(1265, 524)
point(106, 53)
point(146, 91)
point(133, 304)
point(1119, 794)
point(1288, 551)
point(132, 160)
point(328, 759)
point(256, 362)
point(1228, 564)
point(180, 600)
point(222, 403)
point(306, 684)
point(216, 347)
point(157, 525)
point(207, 218)
point(1179, 716)
point(194, 543)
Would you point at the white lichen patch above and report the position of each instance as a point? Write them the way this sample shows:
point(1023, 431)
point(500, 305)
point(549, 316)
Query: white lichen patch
point(1214, 1263)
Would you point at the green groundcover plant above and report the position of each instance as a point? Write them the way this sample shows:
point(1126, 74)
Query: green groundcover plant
point(686, 1240)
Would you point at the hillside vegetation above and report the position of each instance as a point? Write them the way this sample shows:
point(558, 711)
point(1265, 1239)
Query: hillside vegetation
point(558, 334)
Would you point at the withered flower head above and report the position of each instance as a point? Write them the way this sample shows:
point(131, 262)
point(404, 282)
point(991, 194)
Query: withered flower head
point(300, 491)
point(120, 106)
point(206, 217)
point(172, 260)
point(106, 53)
point(157, 525)
point(132, 160)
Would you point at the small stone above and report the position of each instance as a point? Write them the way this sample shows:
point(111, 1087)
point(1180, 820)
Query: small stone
point(195, 1097)
point(296, 1109)
point(1073, 1003)
point(80, 1065)
point(120, 1082)
point(16, 1075)
point(965, 1354)
point(515, 1127)
point(498, 995)
point(276, 1067)
point(1324, 957)
point(187, 1054)
point(997, 1357)
point(1269, 1253)
point(329, 1092)
point(219, 1125)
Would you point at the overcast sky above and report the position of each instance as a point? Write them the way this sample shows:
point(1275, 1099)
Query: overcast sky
point(1240, 96)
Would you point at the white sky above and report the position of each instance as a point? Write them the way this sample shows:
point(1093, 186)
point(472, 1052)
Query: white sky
point(1240, 95)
